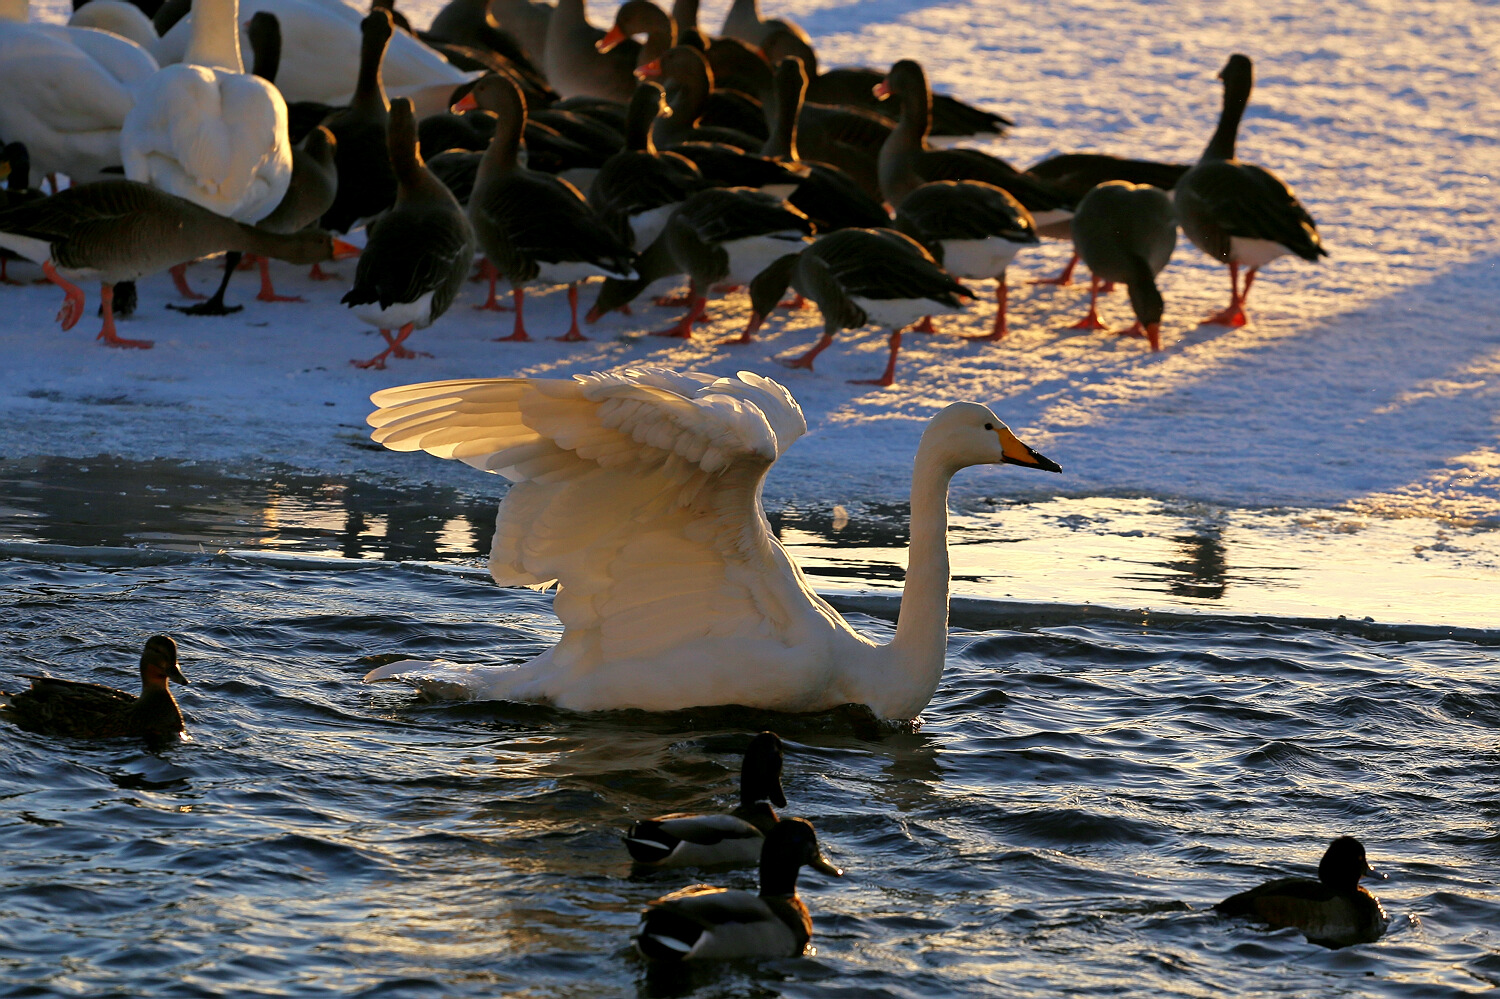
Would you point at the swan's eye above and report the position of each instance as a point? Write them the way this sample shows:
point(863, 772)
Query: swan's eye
point(989, 426)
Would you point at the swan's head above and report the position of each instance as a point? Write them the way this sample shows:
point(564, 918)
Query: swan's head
point(967, 433)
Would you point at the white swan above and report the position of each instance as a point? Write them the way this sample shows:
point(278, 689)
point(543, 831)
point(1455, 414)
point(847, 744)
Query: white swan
point(66, 92)
point(206, 130)
point(117, 16)
point(320, 55)
point(639, 492)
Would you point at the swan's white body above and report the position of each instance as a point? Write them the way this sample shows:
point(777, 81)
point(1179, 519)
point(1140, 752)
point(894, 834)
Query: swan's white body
point(119, 17)
point(206, 130)
point(320, 43)
point(66, 92)
point(639, 492)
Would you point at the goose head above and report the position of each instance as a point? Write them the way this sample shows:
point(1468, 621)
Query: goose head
point(308, 247)
point(1238, 72)
point(905, 77)
point(159, 663)
point(782, 44)
point(967, 433)
point(1344, 864)
point(641, 17)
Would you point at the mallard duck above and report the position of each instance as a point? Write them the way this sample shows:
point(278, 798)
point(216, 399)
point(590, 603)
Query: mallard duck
point(94, 711)
point(688, 840)
point(703, 923)
point(1333, 911)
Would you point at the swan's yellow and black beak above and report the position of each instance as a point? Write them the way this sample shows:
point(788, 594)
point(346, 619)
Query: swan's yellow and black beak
point(1017, 453)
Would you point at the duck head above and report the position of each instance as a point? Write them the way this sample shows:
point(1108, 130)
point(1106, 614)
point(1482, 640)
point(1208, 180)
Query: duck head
point(760, 778)
point(792, 845)
point(967, 433)
point(1344, 864)
point(159, 663)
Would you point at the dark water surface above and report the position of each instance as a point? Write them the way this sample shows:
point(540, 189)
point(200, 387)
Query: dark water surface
point(1083, 788)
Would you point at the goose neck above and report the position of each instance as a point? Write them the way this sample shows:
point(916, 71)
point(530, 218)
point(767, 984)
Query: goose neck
point(685, 15)
point(370, 90)
point(1236, 97)
point(781, 116)
point(215, 38)
point(502, 155)
point(896, 165)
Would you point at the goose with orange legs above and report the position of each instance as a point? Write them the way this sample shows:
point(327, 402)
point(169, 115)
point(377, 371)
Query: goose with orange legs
point(1126, 232)
point(121, 230)
point(418, 253)
point(858, 277)
point(1238, 213)
point(533, 227)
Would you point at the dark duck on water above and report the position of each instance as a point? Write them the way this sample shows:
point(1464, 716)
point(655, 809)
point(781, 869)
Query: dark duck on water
point(1333, 911)
point(94, 711)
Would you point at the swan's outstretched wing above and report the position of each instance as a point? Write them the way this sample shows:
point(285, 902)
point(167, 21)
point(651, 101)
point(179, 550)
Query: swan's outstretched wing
point(637, 491)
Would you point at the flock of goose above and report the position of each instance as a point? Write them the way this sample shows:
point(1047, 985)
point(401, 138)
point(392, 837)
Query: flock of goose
point(732, 160)
point(639, 491)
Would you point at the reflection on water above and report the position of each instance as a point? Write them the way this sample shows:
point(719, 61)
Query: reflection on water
point(1116, 551)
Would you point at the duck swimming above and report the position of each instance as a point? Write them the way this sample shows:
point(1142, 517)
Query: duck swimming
point(1333, 911)
point(684, 840)
point(706, 923)
point(94, 711)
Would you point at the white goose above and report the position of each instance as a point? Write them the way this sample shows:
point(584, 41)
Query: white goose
point(639, 493)
point(67, 92)
point(206, 130)
point(320, 55)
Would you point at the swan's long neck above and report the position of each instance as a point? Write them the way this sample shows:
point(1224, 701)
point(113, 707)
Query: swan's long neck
point(215, 41)
point(916, 654)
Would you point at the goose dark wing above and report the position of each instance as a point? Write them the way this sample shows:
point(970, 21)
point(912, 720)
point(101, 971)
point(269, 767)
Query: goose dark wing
point(1251, 202)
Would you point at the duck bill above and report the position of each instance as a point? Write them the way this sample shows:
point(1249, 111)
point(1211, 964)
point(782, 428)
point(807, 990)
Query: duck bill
point(821, 863)
point(1371, 872)
point(650, 71)
point(882, 90)
point(612, 38)
point(466, 103)
point(1017, 453)
point(175, 674)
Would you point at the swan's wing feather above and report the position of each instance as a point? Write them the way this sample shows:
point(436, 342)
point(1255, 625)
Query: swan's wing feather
point(638, 491)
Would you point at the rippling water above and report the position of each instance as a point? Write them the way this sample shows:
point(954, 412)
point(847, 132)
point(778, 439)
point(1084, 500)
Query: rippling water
point(1079, 795)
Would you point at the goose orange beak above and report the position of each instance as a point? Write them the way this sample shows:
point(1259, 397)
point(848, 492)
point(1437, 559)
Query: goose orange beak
point(612, 38)
point(1017, 453)
point(467, 103)
point(343, 250)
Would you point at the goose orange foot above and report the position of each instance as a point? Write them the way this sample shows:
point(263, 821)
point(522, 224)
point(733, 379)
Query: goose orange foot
point(107, 335)
point(393, 349)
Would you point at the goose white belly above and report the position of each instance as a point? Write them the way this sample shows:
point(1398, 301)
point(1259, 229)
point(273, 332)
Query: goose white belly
point(978, 258)
point(647, 225)
point(899, 313)
point(398, 314)
point(1254, 252)
point(1051, 217)
point(753, 254)
point(568, 271)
